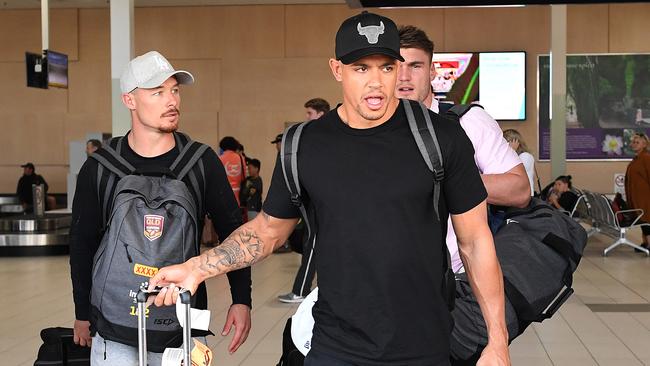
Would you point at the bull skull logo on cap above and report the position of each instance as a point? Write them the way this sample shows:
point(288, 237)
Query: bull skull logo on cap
point(371, 32)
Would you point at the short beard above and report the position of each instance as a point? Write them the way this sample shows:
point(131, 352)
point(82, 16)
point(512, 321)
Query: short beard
point(370, 117)
point(168, 129)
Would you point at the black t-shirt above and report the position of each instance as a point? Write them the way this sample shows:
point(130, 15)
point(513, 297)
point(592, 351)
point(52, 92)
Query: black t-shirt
point(86, 229)
point(379, 249)
point(567, 200)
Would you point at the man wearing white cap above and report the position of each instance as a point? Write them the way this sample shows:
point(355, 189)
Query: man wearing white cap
point(151, 92)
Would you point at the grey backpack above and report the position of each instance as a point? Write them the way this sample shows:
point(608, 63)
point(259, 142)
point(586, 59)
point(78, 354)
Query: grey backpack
point(151, 223)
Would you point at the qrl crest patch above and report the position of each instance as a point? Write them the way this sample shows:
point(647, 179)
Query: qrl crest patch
point(153, 226)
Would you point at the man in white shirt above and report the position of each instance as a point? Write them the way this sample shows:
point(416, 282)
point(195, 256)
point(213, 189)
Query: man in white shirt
point(501, 169)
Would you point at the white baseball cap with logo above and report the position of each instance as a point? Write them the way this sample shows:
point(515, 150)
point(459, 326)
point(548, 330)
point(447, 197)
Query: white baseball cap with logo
point(150, 71)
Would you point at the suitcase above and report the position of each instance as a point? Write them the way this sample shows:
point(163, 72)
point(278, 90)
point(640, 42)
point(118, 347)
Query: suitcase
point(184, 296)
point(59, 349)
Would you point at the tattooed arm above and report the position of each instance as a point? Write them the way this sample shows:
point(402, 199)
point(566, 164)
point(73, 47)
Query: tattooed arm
point(249, 244)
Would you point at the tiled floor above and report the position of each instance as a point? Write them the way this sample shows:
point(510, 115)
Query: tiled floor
point(38, 294)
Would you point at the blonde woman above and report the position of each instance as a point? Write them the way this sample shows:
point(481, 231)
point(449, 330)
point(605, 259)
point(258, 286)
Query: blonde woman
point(517, 143)
point(637, 181)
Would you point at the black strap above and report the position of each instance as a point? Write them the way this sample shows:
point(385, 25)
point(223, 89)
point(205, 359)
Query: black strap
point(459, 110)
point(289, 161)
point(427, 142)
point(562, 247)
point(111, 160)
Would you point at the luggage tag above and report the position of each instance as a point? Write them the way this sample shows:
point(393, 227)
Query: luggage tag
point(201, 355)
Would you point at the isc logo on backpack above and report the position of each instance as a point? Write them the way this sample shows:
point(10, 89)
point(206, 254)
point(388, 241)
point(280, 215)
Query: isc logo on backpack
point(144, 205)
point(153, 226)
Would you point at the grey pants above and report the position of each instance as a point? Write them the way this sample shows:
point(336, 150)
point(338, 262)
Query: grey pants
point(109, 353)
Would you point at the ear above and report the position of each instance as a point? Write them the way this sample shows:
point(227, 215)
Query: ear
point(337, 69)
point(128, 99)
point(432, 71)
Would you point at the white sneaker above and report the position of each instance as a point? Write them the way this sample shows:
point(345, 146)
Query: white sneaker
point(291, 298)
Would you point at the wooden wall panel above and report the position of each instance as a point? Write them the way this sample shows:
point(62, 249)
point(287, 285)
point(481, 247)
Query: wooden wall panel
point(204, 96)
point(20, 31)
point(586, 30)
point(77, 125)
point(211, 32)
point(90, 87)
point(95, 35)
point(276, 84)
point(35, 137)
point(429, 20)
point(497, 29)
point(629, 28)
point(28, 100)
point(311, 29)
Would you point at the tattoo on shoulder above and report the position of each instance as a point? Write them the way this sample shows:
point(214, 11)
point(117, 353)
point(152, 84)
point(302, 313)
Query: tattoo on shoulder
point(241, 249)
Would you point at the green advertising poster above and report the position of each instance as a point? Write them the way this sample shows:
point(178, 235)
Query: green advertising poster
point(608, 100)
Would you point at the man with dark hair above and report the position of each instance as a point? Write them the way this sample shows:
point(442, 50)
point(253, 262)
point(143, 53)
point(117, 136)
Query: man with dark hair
point(502, 172)
point(316, 108)
point(92, 145)
point(379, 248)
point(151, 91)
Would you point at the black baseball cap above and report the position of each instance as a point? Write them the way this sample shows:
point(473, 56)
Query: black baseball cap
point(28, 165)
point(367, 34)
point(277, 139)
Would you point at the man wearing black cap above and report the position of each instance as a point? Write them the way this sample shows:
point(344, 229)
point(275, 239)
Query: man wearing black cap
point(379, 251)
point(24, 188)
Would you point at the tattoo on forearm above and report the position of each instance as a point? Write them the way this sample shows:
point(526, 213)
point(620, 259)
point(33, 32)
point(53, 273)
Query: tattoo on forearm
point(241, 249)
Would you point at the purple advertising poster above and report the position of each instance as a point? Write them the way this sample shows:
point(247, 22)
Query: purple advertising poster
point(608, 101)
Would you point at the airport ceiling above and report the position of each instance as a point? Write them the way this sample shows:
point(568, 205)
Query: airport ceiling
point(33, 4)
point(30, 4)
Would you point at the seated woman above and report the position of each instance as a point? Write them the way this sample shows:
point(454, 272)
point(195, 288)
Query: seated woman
point(561, 197)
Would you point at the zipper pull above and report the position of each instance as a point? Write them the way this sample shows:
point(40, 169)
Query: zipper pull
point(128, 256)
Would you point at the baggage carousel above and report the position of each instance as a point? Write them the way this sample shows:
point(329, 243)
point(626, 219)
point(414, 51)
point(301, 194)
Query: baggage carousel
point(28, 234)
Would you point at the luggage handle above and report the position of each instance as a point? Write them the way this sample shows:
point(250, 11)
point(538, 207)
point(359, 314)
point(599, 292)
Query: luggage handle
point(185, 298)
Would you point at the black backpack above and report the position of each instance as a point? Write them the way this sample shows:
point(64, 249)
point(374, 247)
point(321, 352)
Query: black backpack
point(152, 222)
point(59, 349)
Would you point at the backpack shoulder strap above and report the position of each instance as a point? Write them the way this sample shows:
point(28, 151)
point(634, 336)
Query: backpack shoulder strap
point(459, 110)
point(111, 159)
point(108, 158)
point(289, 162)
point(190, 155)
point(427, 142)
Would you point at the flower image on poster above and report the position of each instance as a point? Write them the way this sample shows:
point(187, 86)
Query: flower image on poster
point(607, 95)
point(613, 145)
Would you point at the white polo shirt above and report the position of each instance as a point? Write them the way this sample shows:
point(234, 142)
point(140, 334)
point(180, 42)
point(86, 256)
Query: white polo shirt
point(492, 155)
